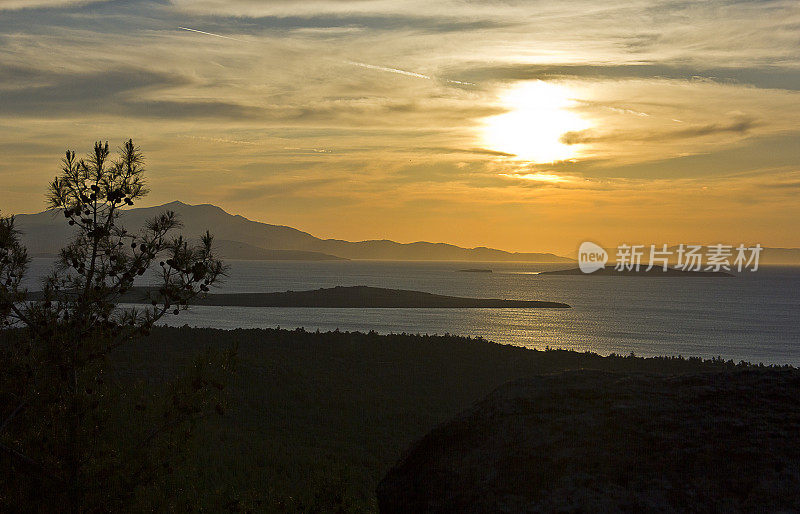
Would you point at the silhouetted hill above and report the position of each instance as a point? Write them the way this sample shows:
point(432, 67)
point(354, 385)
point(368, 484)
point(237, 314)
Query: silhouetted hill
point(594, 441)
point(45, 233)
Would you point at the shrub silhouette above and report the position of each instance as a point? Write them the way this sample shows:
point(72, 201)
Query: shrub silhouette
point(73, 435)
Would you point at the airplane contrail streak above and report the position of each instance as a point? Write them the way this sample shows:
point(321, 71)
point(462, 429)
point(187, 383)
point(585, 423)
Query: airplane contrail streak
point(211, 34)
point(462, 83)
point(406, 73)
point(390, 70)
point(353, 63)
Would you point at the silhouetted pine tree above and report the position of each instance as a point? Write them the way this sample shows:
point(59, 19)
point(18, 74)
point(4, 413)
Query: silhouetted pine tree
point(73, 436)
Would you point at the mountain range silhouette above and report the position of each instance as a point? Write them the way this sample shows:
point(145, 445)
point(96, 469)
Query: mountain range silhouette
point(237, 237)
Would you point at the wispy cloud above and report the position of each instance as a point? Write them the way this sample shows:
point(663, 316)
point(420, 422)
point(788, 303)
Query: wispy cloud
point(550, 178)
point(319, 103)
point(742, 125)
point(39, 4)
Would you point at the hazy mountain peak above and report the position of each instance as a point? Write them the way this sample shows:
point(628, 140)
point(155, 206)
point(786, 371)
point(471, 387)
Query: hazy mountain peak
point(47, 234)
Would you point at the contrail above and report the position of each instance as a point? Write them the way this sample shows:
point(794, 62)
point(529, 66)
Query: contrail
point(210, 34)
point(462, 83)
point(404, 72)
point(390, 70)
point(353, 63)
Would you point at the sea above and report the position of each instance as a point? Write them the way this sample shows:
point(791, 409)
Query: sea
point(753, 316)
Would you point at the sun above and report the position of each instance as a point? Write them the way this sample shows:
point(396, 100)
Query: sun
point(540, 113)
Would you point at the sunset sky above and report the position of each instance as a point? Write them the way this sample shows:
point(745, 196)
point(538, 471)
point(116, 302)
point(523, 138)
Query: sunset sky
point(521, 125)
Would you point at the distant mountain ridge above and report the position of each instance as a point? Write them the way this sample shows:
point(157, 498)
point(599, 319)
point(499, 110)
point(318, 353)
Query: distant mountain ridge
point(240, 238)
point(243, 251)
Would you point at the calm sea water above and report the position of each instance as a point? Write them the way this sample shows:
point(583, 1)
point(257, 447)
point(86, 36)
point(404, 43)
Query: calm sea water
point(753, 316)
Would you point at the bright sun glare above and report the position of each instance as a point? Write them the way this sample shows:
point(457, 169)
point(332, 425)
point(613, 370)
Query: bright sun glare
point(539, 114)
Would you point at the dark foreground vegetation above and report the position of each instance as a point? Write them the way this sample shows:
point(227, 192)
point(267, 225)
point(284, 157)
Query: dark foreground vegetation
point(315, 420)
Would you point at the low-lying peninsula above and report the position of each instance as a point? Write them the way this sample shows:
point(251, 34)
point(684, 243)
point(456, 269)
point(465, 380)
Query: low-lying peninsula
point(349, 297)
point(357, 297)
